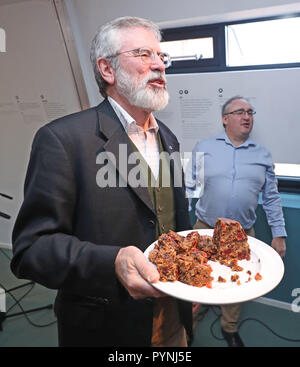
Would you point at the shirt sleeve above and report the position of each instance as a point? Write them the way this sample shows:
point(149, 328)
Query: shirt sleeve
point(44, 245)
point(271, 202)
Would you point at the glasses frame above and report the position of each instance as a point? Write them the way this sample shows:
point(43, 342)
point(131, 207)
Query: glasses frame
point(241, 112)
point(138, 51)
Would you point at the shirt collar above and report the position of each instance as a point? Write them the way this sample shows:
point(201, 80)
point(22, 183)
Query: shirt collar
point(223, 136)
point(128, 121)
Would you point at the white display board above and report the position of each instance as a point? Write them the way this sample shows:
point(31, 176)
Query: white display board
point(37, 86)
point(194, 111)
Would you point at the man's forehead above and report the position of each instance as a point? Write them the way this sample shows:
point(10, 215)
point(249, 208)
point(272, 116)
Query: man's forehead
point(137, 37)
point(240, 103)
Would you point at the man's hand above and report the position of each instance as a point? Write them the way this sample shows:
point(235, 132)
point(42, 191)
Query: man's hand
point(136, 273)
point(278, 244)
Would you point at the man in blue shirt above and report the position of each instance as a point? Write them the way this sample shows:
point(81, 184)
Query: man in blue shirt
point(236, 170)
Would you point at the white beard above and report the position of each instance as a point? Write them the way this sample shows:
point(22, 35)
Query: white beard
point(139, 94)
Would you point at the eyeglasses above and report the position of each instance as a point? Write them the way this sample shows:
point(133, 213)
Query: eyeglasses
point(241, 112)
point(147, 55)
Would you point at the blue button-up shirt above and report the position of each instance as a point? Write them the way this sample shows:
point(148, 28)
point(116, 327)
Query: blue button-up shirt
point(233, 179)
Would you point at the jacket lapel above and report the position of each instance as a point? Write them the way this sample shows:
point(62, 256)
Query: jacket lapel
point(118, 143)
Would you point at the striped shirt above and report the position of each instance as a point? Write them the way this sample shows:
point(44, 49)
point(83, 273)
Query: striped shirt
point(146, 141)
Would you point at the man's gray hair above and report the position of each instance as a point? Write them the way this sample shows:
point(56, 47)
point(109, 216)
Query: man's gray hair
point(227, 104)
point(107, 42)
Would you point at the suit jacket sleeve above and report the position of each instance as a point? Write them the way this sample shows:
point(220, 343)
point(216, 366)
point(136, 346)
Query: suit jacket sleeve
point(44, 246)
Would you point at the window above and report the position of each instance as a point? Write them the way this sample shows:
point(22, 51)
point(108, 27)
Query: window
point(194, 49)
point(190, 49)
point(274, 41)
point(252, 44)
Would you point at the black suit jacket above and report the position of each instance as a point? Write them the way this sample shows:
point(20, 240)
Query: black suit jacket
point(69, 230)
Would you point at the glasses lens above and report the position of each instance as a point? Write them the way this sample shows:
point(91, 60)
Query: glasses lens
point(146, 55)
point(243, 112)
point(166, 59)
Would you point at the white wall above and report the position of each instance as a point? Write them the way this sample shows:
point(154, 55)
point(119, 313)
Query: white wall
point(36, 86)
point(87, 15)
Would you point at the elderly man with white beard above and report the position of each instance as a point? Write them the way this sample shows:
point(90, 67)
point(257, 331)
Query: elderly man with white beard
point(86, 239)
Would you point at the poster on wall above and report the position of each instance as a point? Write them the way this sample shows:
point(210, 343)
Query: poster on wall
point(196, 100)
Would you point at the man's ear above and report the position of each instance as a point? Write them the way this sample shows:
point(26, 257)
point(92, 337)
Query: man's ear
point(106, 70)
point(224, 119)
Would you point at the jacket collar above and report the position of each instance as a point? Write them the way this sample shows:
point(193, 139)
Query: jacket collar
point(110, 127)
point(223, 136)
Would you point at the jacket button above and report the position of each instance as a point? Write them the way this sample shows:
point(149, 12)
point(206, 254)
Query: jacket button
point(151, 221)
point(103, 301)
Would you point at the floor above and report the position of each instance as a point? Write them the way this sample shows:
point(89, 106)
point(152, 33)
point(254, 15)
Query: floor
point(34, 329)
point(260, 325)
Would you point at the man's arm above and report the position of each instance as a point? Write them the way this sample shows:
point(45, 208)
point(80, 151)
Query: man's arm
point(273, 209)
point(44, 245)
point(278, 244)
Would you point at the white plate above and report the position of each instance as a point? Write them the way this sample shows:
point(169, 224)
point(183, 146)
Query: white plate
point(264, 260)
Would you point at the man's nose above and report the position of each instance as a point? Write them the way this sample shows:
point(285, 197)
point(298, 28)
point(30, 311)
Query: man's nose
point(157, 64)
point(246, 116)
